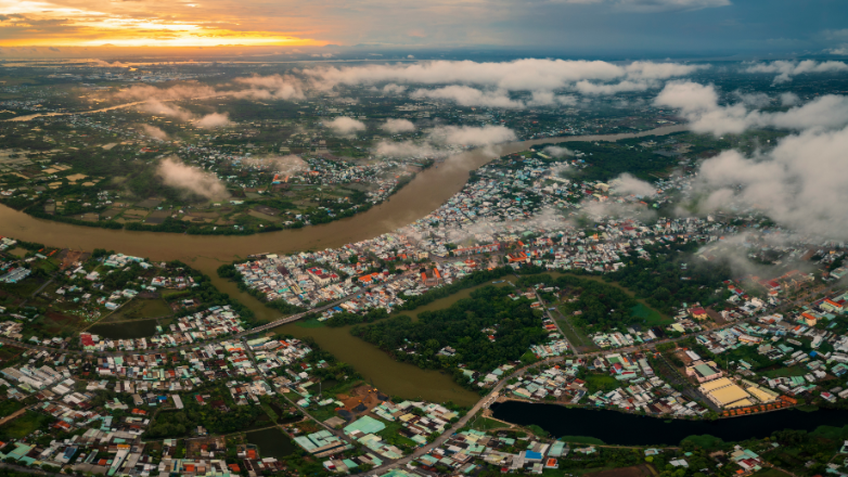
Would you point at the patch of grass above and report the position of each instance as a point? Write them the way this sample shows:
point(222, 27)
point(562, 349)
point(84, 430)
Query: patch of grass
point(600, 382)
point(392, 435)
point(582, 440)
point(784, 372)
point(141, 308)
point(538, 430)
point(8, 406)
point(771, 473)
point(705, 441)
point(652, 317)
point(23, 425)
point(310, 323)
point(486, 424)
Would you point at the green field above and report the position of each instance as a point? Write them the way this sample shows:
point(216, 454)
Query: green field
point(785, 372)
point(23, 426)
point(652, 317)
point(141, 308)
point(771, 473)
point(582, 440)
point(599, 382)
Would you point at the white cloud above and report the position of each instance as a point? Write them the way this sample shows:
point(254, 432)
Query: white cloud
point(468, 96)
point(159, 108)
point(557, 151)
point(395, 126)
point(406, 149)
point(345, 126)
point(175, 173)
point(589, 88)
point(471, 136)
point(626, 184)
point(213, 120)
point(699, 105)
point(789, 99)
point(788, 69)
point(801, 183)
point(154, 132)
point(530, 74)
point(283, 87)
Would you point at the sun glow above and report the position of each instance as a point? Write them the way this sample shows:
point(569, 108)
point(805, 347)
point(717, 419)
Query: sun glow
point(35, 23)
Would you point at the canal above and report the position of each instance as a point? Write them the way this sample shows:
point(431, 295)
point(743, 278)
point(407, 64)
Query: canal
point(618, 428)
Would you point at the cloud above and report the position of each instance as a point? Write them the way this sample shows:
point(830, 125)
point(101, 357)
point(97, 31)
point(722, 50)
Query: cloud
point(625, 210)
point(788, 69)
point(175, 173)
point(287, 165)
point(394, 126)
point(699, 105)
point(471, 136)
point(159, 108)
point(468, 96)
point(392, 88)
point(530, 74)
point(187, 90)
point(154, 132)
point(557, 151)
point(653, 6)
point(213, 120)
point(756, 100)
point(589, 88)
point(789, 99)
point(626, 184)
point(345, 126)
point(406, 149)
point(801, 183)
point(283, 87)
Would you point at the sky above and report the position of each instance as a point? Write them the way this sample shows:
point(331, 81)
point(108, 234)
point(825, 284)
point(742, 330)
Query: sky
point(579, 27)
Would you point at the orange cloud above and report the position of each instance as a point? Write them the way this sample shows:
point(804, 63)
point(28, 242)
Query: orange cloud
point(41, 23)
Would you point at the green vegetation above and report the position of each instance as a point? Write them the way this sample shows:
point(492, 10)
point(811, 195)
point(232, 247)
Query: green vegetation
point(24, 425)
point(516, 327)
point(8, 406)
point(581, 440)
point(704, 441)
point(664, 284)
point(600, 382)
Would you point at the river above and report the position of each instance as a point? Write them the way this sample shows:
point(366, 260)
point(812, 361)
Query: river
point(425, 193)
point(618, 428)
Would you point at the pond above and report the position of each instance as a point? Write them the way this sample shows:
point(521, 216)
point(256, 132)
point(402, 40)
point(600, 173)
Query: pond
point(619, 428)
point(272, 443)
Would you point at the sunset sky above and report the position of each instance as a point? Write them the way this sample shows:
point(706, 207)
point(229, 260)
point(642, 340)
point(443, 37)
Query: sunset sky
point(786, 26)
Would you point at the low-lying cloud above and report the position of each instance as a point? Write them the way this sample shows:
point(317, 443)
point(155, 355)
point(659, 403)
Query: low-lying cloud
point(468, 96)
point(213, 120)
point(471, 136)
point(154, 132)
point(801, 183)
point(283, 87)
point(345, 126)
point(699, 104)
point(788, 69)
point(177, 174)
point(395, 126)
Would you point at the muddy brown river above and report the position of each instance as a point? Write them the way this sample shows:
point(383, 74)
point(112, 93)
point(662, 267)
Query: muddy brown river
point(425, 193)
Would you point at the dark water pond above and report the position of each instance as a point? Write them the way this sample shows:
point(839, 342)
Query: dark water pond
point(125, 330)
point(619, 428)
point(272, 443)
